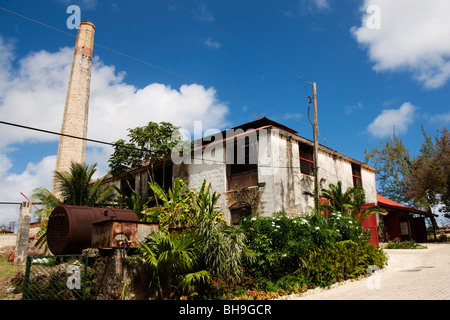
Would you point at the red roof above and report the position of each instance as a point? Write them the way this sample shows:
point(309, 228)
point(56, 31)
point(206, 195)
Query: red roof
point(388, 203)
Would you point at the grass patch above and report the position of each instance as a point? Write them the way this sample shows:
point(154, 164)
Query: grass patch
point(8, 268)
point(411, 244)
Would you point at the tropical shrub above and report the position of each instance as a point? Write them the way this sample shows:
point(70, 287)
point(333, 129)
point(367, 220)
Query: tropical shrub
point(172, 263)
point(344, 260)
point(279, 241)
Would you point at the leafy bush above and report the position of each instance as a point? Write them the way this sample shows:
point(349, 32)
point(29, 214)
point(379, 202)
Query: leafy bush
point(280, 241)
point(344, 260)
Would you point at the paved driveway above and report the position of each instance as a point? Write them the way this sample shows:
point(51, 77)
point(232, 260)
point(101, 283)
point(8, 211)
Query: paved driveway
point(419, 274)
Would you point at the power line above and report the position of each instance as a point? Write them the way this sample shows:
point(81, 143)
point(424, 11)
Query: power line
point(54, 133)
point(149, 64)
point(122, 146)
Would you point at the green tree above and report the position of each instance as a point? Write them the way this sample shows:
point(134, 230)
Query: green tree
point(429, 183)
point(393, 162)
point(78, 188)
point(358, 206)
point(147, 145)
point(352, 202)
point(423, 180)
point(339, 200)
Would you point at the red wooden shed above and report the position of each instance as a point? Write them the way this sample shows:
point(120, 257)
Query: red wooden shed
point(401, 222)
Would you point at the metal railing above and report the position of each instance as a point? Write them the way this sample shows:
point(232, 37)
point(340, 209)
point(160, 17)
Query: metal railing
point(61, 277)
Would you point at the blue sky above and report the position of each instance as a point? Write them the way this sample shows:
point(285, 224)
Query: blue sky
point(369, 77)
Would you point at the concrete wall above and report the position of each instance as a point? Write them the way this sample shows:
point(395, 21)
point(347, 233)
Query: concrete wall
point(8, 240)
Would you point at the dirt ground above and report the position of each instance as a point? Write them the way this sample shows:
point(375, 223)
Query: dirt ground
point(7, 291)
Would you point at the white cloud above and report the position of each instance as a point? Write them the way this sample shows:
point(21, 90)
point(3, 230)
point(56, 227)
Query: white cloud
point(35, 175)
point(211, 43)
point(400, 118)
point(34, 93)
point(353, 108)
point(414, 36)
point(321, 4)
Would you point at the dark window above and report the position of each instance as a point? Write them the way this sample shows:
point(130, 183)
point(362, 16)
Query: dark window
point(356, 173)
point(243, 171)
point(239, 213)
point(306, 158)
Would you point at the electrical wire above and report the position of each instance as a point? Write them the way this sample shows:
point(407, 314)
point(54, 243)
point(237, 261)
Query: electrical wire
point(122, 146)
point(149, 64)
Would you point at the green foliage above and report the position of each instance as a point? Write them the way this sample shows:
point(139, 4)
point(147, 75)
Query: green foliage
point(430, 184)
point(421, 181)
point(280, 240)
point(220, 248)
point(173, 265)
point(176, 206)
point(339, 200)
point(77, 188)
point(344, 260)
point(135, 202)
point(352, 201)
point(147, 145)
point(393, 162)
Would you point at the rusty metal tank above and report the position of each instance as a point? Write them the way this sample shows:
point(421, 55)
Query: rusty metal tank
point(69, 228)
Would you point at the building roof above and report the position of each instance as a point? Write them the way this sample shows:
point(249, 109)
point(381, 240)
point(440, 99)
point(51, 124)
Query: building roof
point(388, 203)
point(263, 123)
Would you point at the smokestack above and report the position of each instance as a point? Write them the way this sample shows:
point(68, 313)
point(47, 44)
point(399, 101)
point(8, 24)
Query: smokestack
point(75, 119)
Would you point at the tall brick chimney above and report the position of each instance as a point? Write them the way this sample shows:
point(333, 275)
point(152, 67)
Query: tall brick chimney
point(75, 120)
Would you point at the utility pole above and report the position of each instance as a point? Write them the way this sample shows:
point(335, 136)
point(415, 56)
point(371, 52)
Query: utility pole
point(316, 150)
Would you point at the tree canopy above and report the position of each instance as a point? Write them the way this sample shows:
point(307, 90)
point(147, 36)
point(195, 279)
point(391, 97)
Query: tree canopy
point(421, 181)
point(147, 145)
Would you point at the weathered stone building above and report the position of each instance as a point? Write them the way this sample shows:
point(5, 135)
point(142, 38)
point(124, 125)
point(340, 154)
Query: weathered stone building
point(261, 167)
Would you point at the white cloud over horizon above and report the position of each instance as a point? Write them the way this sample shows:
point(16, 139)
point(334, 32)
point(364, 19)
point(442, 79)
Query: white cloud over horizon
point(413, 37)
point(33, 91)
point(388, 119)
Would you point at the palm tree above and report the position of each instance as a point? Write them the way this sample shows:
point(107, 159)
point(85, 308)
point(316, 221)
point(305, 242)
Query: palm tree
point(359, 210)
point(339, 201)
point(352, 202)
point(172, 262)
point(76, 186)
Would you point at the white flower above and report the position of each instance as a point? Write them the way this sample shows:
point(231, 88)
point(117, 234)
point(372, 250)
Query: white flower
point(284, 255)
point(253, 219)
point(350, 222)
point(277, 226)
point(317, 228)
point(295, 221)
